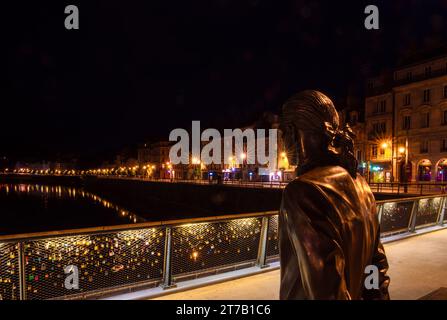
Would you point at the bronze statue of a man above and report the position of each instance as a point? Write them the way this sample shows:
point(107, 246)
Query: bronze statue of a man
point(328, 225)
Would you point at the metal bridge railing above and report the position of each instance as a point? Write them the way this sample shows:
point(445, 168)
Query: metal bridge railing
point(123, 258)
point(410, 214)
point(417, 188)
point(128, 257)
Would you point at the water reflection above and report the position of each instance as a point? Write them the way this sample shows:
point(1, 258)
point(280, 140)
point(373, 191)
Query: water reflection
point(63, 206)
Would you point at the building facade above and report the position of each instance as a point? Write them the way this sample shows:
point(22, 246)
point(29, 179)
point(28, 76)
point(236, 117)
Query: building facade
point(406, 124)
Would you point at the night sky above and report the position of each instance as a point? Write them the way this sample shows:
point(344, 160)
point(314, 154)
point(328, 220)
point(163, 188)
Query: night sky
point(137, 69)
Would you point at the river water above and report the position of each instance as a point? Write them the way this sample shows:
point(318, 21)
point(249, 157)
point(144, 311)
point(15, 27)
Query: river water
point(28, 208)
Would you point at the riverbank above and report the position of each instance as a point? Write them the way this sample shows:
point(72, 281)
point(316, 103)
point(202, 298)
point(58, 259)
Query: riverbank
point(155, 200)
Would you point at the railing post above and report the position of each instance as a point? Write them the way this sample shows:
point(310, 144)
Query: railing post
point(261, 261)
point(442, 212)
point(380, 213)
point(167, 272)
point(413, 216)
point(22, 274)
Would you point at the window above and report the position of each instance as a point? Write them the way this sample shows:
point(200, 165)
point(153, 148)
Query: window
point(445, 91)
point(379, 127)
point(444, 118)
point(444, 145)
point(424, 146)
point(425, 120)
point(406, 123)
point(407, 99)
point(382, 107)
point(426, 95)
point(427, 71)
point(409, 75)
point(374, 150)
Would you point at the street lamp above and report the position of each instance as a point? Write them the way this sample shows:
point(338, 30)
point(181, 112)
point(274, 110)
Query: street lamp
point(401, 150)
point(283, 164)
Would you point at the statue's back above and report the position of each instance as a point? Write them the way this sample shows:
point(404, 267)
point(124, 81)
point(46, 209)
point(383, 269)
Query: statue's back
point(329, 233)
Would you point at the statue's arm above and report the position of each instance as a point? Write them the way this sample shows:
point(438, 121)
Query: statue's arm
point(316, 242)
point(381, 262)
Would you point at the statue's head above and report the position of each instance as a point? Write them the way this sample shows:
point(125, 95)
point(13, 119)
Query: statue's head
point(311, 133)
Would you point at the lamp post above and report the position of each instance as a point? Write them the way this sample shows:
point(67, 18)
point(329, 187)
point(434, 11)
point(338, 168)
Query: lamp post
point(243, 156)
point(403, 151)
point(384, 146)
point(406, 165)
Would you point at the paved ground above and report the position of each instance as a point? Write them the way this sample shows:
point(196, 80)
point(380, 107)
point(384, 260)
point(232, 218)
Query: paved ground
point(418, 266)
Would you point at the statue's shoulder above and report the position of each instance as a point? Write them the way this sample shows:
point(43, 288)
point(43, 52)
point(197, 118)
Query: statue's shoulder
point(320, 178)
point(326, 173)
point(300, 184)
point(304, 193)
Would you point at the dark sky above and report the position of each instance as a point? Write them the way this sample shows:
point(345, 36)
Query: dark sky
point(137, 69)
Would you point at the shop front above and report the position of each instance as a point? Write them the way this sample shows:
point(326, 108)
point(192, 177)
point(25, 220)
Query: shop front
point(267, 175)
point(380, 172)
point(424, 170)
point(441, 170)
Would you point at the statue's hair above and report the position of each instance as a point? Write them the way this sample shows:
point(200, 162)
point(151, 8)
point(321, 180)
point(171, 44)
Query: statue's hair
point(314, 112)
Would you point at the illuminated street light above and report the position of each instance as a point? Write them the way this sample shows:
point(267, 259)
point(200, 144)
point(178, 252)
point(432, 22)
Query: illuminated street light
point(402, 150)
point(243, 155)
point(384, 145)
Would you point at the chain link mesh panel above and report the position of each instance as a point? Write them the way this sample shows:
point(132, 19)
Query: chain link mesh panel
point(9, 271)
point(202, 246)
point(103, 261)
point(427, 211)
point(272, 237)
point(395, 216)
